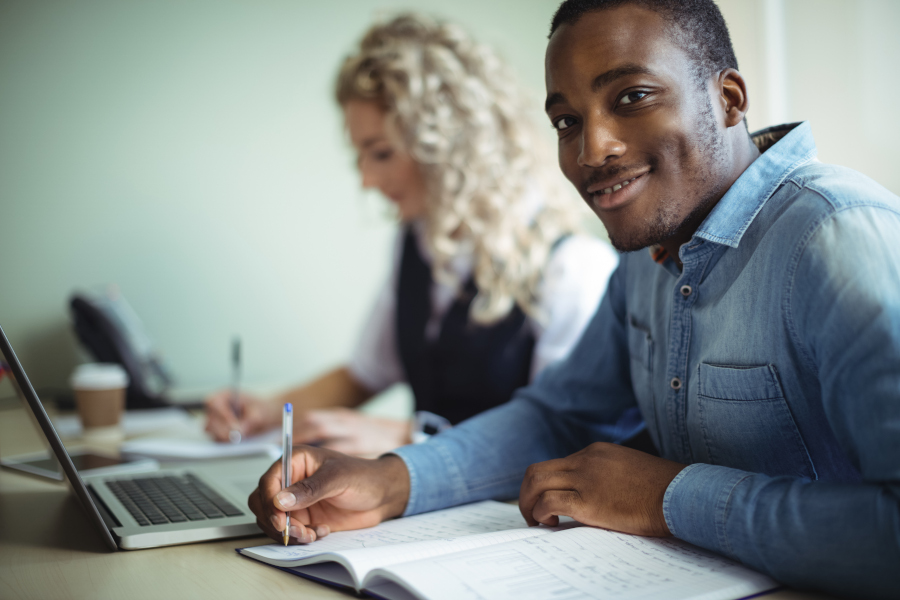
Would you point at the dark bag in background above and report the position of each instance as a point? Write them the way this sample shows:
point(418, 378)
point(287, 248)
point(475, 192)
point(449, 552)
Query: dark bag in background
point(112, 332)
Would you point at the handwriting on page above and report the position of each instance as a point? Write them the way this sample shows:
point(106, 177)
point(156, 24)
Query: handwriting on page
point(580, 563)
point(483, 517)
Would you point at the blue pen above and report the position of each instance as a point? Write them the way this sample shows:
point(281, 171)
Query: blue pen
point(287, 432)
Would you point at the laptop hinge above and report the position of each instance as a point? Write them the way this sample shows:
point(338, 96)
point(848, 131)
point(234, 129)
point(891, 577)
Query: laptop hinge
point(107, 517)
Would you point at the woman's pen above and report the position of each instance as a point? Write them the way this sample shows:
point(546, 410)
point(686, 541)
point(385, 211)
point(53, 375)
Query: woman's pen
point(234, 436)
point(287, 432)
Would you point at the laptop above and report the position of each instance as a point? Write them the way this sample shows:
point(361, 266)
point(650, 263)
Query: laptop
point(161, 508)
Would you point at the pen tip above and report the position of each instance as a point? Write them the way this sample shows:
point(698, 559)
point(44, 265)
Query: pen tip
point(285, 538)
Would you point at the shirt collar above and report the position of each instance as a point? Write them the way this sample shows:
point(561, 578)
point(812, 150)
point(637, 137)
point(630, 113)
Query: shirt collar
point(784, 148)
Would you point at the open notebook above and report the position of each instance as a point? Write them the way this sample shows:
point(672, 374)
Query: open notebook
point(485, 550)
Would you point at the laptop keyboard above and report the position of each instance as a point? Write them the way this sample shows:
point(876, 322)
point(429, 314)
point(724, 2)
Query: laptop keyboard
point(171, 499)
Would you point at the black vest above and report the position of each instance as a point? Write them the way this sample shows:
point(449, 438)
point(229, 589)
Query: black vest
point(469, 368)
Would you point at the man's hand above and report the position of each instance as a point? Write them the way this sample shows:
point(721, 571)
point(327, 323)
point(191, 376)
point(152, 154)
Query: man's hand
point(330, 492)
point(351, 432)
point(256, 415)
point(604, 485)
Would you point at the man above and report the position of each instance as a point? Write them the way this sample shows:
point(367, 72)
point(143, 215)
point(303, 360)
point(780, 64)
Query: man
point(759, 338)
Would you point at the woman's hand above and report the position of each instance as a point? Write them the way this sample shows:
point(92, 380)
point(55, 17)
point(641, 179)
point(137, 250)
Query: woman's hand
point(330, 492)
point(255, 415)
point(350, 432)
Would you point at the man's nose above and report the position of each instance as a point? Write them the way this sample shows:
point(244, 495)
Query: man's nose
point(599, 144)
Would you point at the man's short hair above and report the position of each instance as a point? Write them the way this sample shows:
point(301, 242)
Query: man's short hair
point(700, 28)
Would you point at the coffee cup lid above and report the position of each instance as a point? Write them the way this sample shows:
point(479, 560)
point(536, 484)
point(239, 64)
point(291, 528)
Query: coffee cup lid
point(98, 376)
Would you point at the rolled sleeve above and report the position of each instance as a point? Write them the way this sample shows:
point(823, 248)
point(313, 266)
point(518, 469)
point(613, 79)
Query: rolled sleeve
point(427, 491)
point(696, 504)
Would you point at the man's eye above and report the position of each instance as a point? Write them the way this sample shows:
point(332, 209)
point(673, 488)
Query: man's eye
point(632, 97)
point(383, 155)
point(563, 123)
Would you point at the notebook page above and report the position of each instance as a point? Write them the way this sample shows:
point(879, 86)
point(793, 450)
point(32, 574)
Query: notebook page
point(579, 563)
point(481, 517)
point(352, 566)
point(364, 560)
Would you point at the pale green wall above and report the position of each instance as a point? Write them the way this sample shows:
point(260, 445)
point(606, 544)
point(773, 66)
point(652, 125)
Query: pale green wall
point(840, 62)
point(189, 151)
point(848, 85)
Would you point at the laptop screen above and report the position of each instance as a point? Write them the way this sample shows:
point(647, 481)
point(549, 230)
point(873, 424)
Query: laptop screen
point(11, 369)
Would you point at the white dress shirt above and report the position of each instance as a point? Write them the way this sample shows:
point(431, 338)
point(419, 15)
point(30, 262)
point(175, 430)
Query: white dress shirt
point(573, 284)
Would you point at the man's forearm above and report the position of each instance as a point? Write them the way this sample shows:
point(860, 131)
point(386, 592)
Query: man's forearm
point(838, 537)
point(583, 399)
point(486, 456)
point(483, 457)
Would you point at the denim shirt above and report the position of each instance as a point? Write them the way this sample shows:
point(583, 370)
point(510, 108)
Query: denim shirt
point(770, 364)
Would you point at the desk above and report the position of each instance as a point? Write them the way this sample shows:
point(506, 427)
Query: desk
point(49, 550)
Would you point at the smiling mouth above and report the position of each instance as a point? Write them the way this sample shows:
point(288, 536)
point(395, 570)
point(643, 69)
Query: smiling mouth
point(617, 195)
point(616, 187)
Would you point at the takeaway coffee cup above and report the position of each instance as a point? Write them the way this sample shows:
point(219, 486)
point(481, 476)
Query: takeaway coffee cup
point(100, 397)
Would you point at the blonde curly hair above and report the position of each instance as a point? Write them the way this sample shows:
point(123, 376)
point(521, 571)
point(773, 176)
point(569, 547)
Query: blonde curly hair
point(457, 110)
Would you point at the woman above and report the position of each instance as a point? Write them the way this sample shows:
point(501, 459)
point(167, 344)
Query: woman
point(489, 281)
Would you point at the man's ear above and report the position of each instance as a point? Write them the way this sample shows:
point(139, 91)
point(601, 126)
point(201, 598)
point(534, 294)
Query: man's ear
point(733, 96)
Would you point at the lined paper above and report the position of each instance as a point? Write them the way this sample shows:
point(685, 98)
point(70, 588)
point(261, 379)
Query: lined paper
point(481, 517)
point(578, 563)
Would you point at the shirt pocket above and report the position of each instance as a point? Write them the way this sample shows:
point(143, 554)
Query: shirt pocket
point(746, 421)
point(640, 349)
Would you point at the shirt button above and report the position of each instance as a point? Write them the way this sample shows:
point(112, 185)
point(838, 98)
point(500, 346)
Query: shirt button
point(686, 290)
point(675, 383)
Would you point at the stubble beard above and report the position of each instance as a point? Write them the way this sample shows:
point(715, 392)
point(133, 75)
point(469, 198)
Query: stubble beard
point(670, 219)
point(654, 229)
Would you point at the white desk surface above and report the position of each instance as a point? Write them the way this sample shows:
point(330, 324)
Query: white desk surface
point(49, 549)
